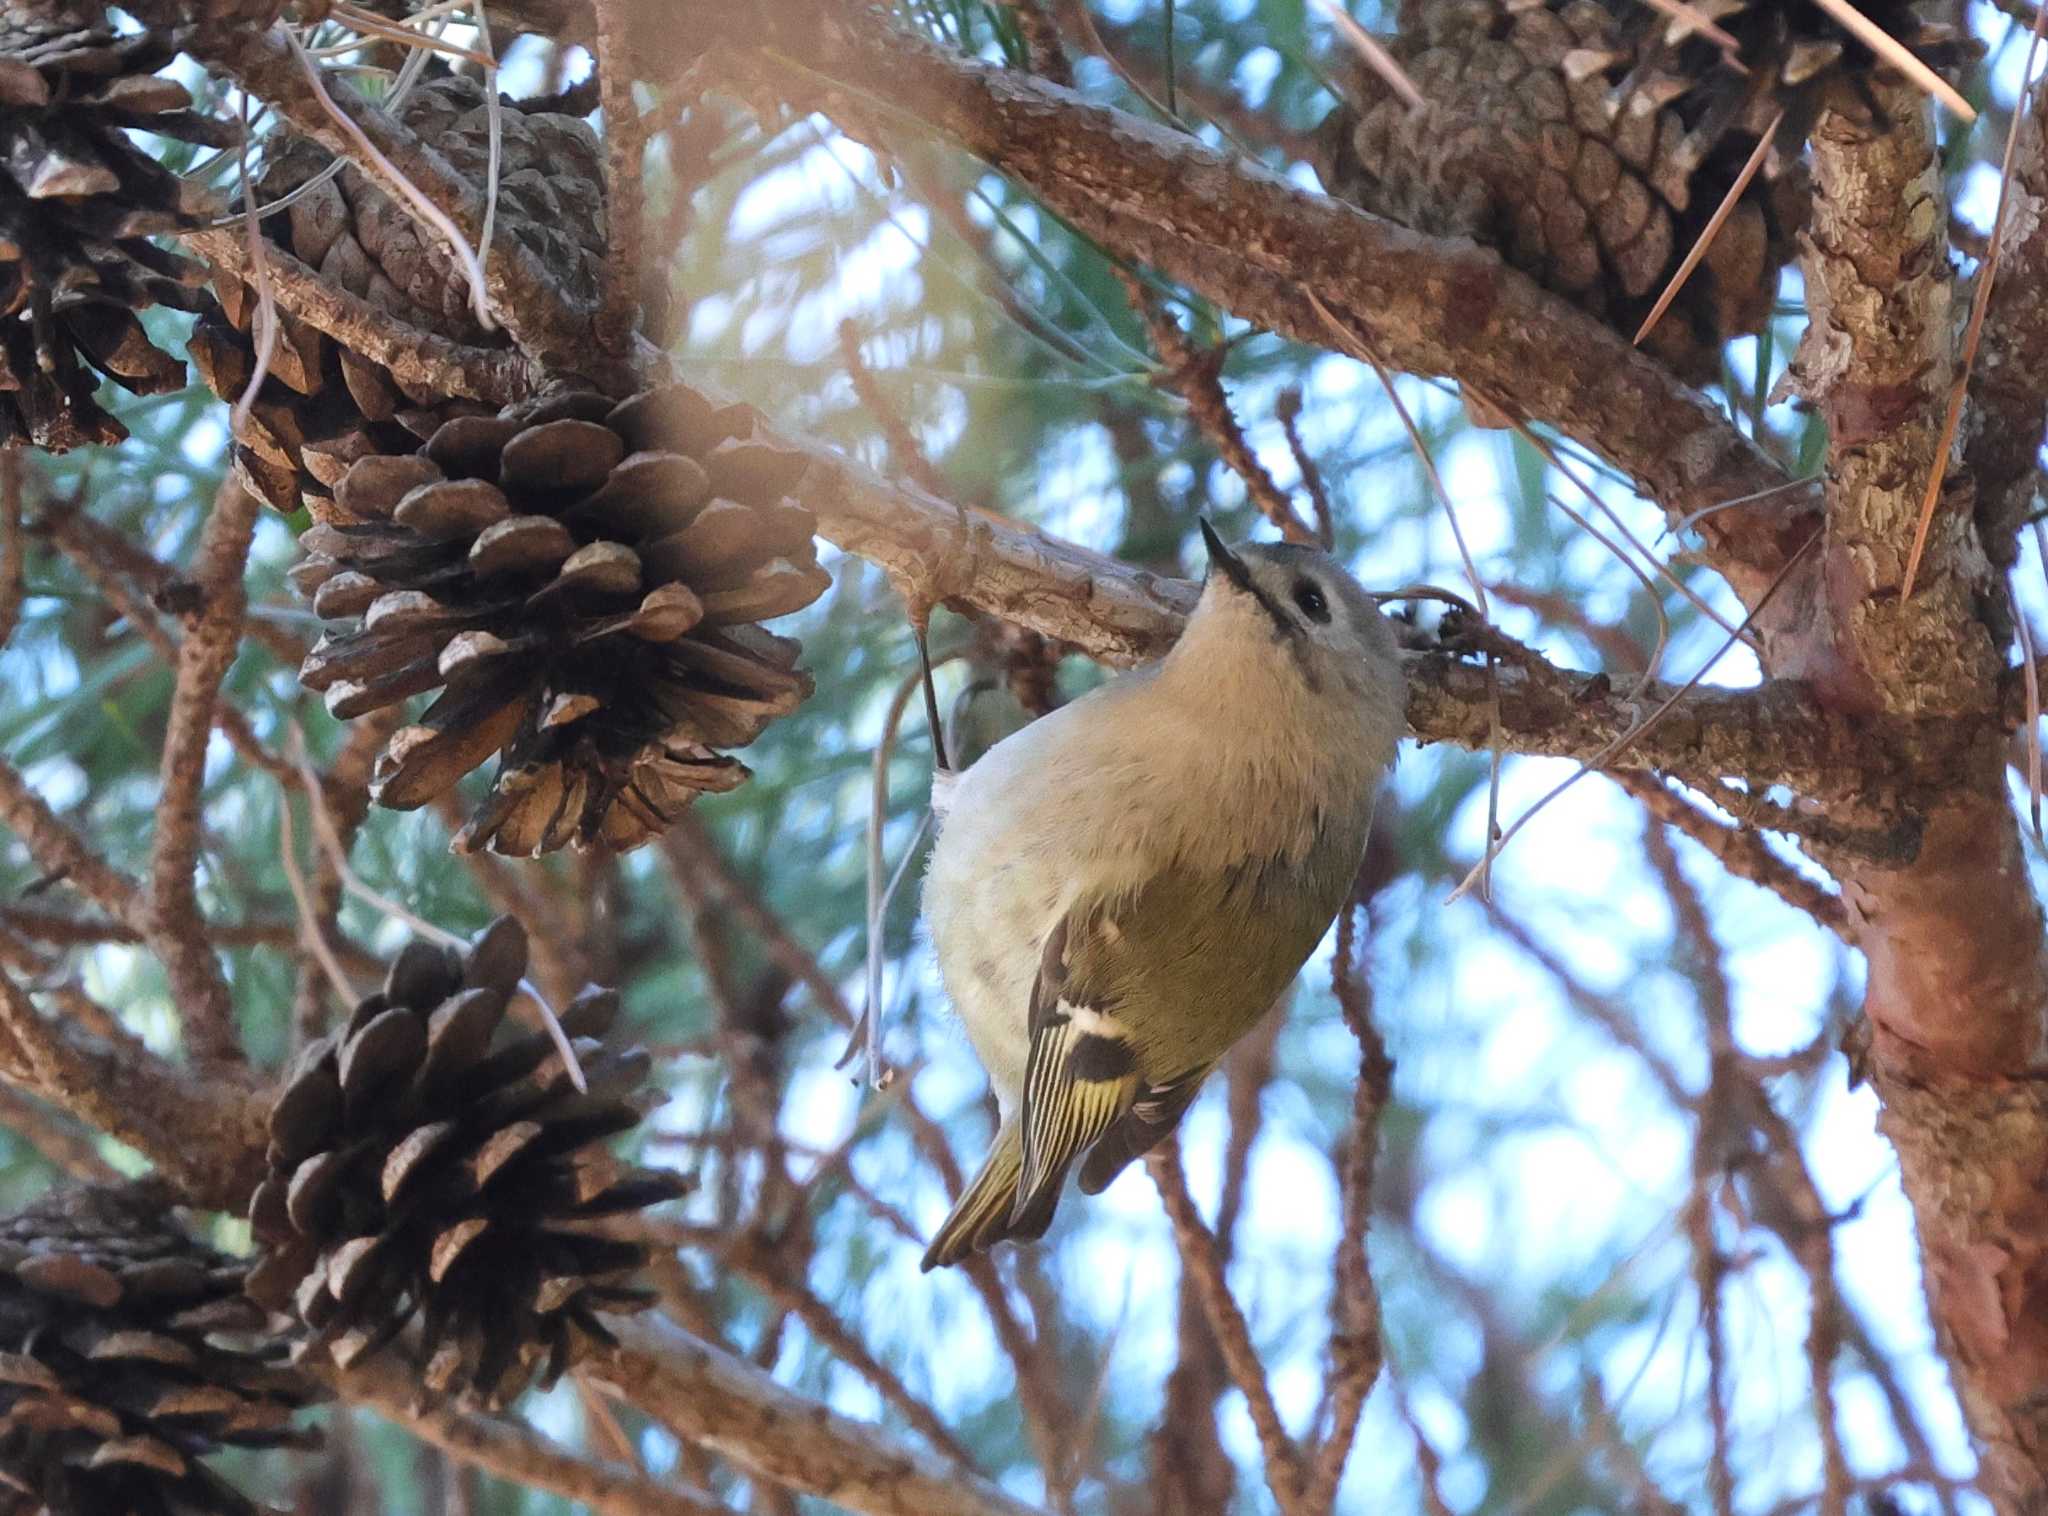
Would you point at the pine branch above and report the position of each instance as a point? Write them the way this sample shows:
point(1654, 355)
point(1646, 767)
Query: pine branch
point(415, 358)
point(1258, 246)
point(514, 1451)
point(708, 1396)
point(172, 921)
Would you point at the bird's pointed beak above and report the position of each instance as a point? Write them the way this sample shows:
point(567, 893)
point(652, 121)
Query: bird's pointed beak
point(1221, 557)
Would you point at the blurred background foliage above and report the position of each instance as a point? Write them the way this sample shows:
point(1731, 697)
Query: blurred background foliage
point(1540, 1200)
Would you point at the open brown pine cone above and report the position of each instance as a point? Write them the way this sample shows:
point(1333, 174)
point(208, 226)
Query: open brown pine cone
point(324, 406)
point(1590, 141)
point(423, 1167)
point(128, 1353)
point(582, 582)
point(79, 202)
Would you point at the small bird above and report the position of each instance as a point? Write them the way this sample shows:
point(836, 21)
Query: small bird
point(1120, 890)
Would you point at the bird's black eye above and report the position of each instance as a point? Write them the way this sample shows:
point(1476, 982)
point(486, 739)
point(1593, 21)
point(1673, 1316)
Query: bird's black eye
point(1308, 595)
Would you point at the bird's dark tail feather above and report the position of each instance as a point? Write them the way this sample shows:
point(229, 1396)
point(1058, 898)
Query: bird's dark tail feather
point(981, 1216)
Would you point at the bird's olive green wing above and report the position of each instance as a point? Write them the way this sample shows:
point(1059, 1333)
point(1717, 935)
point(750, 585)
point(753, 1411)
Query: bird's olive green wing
point(1139, 994)
point(1081, 1072)
point(1156, 1112)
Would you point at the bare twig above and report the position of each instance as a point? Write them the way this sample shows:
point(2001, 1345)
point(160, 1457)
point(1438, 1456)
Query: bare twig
point(1197, 377)
point(625, 148)
point(56, 1136)
point(906, 454)
point(705, 1395)
point(174, 927)
point(1287, 411)
point(513, 1450)
point(1204, 1263)
point(691, 846)
point(1740, 851)
point(414, 357)
point(1355, 1347)
point(62, 854)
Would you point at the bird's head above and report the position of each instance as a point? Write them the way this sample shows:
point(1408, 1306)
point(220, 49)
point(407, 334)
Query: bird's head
point(1306, 609)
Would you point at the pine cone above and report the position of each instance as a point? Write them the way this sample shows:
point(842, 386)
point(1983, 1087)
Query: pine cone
point(78, 204)
point(323, 406)
point(416, 1171)
point(1589, 142)
point(581, 582)
point(120, 1367)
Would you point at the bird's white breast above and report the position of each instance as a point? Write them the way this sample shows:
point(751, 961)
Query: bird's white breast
point(1042, 812)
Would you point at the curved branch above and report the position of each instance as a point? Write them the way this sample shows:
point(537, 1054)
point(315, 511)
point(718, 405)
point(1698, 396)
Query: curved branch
point(415, 357)
point(706, 1395)
point(514, 1451)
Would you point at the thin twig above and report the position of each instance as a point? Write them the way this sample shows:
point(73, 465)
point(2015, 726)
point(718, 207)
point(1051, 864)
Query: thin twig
point(330, 838)
point(1355, 1348)
point(1636, 729)
point(625, 147)
point(62, 854)
point(1200, 1257)
point(691, 846)
point(414, 356)
point(906, 454)
point(516, 1452)
point(312, 925)
point(56, 1136)
point(1739, 850)
point(1197, 377)
point(1287, 411)
point(176, 930)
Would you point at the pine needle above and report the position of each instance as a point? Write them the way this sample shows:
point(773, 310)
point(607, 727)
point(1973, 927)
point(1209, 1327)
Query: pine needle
point(1705, 240)
point(337, 856)
point(1980, 303)
point(265, 326)
point(1697, 22)
point(1355, 342)
point(1613, 749)
point(425, 209)
point(1656, 658)
point(1898, 55)
point(1376, 57)
point(309, 919)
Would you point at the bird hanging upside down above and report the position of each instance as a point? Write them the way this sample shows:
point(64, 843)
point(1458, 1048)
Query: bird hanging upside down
point(1120, 890)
